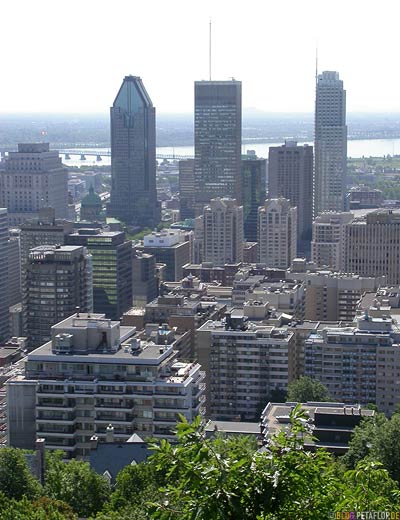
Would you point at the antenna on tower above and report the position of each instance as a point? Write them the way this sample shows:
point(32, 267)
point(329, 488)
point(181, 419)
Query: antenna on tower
point(209, 52)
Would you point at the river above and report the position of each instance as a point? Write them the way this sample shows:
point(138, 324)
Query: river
point(355, 148)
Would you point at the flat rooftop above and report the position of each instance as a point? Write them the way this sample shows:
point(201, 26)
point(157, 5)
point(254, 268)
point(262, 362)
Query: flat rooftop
point(233, 427)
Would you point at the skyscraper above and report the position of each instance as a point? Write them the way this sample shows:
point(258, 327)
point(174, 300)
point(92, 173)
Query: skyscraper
point(330, 144)
point(290, 175)
point(133, 156)
point(254, 172)
point(217, 141)
point(4, 317)
point(186, 188)
point(277, 233)
point(30, 179)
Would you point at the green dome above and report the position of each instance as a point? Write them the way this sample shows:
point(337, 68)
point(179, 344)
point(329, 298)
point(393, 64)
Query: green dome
point(91, 199)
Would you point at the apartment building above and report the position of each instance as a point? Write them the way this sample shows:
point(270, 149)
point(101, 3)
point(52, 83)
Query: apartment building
point(327, 245)
point(244, 362)
point(95, 373)
point(359, 363)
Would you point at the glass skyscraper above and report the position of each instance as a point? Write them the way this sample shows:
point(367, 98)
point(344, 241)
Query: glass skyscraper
point(133, 156)
point(217, 141)
point(330, 144)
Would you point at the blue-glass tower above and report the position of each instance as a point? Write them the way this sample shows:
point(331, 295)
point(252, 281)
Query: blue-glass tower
point(133, 156)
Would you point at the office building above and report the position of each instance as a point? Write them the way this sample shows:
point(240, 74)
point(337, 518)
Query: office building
point(112, 269)
point(254, 172)
point(364, 197)
point(58, 280)
point(290, 175)
point(144, 279)
point(169, 247)
point(32, 178)
point(244, 362)
point(327, 246)
point(223, 232)
point(95, 373)
point(217, 141)
point(358, 364)
point(14, 268)
point(277, 233)
point(133, 156)
point(186, 188)
point(372, 245)
point(330, 144)
point(4, 297)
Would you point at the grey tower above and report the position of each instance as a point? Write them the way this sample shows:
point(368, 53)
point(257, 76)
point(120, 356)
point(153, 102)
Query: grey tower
point(330, 144)
point(133, 156)
point(217, 141)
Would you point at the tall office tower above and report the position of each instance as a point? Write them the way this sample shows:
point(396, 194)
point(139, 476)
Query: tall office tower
point(186, 188)
point(58, 280)
point(330, 144)
point(254, 172)
point(14, 268)
point(277, 233)
point(95, 372)
point(372, 245)
point(133, 156)
point(217, 141)
point(112, 269)
point(327, 246)
point(244, 362)
point(223, 232)
point(290, 175)
point(32, 178)
point(4, 316)
point(144, 279)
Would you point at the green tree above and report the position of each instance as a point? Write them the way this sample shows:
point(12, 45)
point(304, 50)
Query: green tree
point(11, 509)
point(306, 389)
point(76, 484)
point(16, 480)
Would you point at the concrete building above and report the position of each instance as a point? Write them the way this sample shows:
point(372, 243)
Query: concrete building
point(14, 268)
point(207, 272)
point(358, 363)
point(330, 144)
point(58, 280)
point(364, 197)
point(92, 207)
point(244, 362)
point(168, 247)
point(372, 245)
point(144, 279)
point(290, 175)
point(133, 156)
point(254, 174)
point(112, 268)
point(186, 188)
point(277, 233)
point(223, 232)
point(94, 373)
point(32, 178)
point(327, 246)
point(217, 141)
point(4, 296)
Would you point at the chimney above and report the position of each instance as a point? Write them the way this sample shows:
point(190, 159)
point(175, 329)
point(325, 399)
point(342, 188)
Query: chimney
point(40, 446)
point(93, 442)
point(110, 433)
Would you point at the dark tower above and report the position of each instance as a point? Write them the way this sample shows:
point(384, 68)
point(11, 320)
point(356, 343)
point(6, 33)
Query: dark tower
point(133, 156)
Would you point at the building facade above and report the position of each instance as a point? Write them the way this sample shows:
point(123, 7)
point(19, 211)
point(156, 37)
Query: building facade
point(186, 188)
point(277, 233)
point(290, 175)
point(4, 296)
point(133, 156)
point(217, 141)
point(330, 144)
point(254, 173)
point(32, 178)
point(223, 232)
point(144, 279)
point(58, 280)
point(327, 246)
point(112, 269)
point(94, 373)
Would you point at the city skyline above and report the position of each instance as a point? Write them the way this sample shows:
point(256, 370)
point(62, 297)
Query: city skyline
point(271, 49)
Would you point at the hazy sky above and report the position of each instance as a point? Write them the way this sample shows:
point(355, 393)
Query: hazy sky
point(71, 55)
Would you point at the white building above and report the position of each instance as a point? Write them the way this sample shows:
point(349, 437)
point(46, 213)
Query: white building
point(327, 246)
